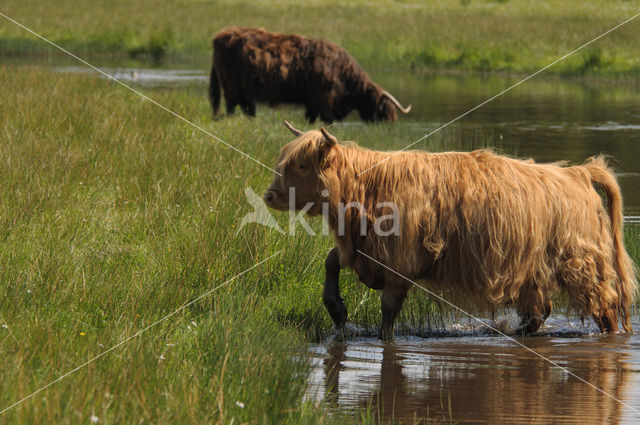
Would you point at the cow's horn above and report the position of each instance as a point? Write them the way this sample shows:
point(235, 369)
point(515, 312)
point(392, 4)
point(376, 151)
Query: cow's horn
point(331, 139)
point(294, 130)
point(395, 102)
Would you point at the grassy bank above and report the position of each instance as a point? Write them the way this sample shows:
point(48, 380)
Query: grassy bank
point(470, 35)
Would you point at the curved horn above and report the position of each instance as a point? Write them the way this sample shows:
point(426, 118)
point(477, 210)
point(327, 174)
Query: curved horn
point(395, 102)
point(294, 130)
point(331, 139)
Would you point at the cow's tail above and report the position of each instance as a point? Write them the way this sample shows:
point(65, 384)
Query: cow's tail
point(214, 88)
point(627, 284)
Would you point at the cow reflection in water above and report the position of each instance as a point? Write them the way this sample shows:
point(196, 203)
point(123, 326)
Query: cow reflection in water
point(452, 382)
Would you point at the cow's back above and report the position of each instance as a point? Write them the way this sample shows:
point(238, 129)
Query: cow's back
point(284, 67)
point(484, 222)
point(270, 66)
point(514, 223)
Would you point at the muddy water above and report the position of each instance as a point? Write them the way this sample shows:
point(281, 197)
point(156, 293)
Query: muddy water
point(471, 376)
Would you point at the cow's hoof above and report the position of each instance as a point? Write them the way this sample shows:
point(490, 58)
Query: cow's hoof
point(346, 331)
point(337, 311)
point(529, 328)
point(385, 335)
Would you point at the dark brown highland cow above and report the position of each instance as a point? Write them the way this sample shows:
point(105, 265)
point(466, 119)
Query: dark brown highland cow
point(486, 229)
point(254, 65)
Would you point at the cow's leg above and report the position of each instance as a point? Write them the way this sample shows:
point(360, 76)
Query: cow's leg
point(591, 286)
point(249, 107)
point(530, 322)
point(324, 108)
point(607, 321)
point(231, 105)
point(311, 115)
point(393, 295)
point(331, 293)
point(232, 96)
point(533, 311)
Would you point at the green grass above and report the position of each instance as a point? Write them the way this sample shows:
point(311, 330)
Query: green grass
point(114, 215)
point(515, 36)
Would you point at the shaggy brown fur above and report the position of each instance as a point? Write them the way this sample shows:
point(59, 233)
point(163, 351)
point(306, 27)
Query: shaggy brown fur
point(499, 231)
point(257, 65)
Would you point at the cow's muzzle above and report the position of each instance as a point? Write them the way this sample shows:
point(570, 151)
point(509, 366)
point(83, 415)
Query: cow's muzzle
point(269, 197)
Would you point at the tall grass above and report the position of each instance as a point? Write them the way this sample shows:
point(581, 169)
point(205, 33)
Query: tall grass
point(508, 36)
point(113, 216)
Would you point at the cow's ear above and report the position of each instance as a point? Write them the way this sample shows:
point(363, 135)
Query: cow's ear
point(329, 139)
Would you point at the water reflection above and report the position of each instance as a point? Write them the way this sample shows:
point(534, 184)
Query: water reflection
point(482, 380)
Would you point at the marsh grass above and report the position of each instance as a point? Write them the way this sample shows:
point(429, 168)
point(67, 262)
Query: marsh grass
point(514, 36)
point(98, 192)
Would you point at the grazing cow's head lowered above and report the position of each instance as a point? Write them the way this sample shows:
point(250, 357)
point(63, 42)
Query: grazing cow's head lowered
point(380, 105)
point(299, 164)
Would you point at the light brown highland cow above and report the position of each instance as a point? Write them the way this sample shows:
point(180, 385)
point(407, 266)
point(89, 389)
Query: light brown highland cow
point(480, 227)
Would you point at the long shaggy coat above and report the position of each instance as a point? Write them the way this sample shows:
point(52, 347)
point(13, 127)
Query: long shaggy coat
point(254, 65)
point(493, 229)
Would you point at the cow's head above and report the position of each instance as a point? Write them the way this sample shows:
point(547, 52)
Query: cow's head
point(382, 106)
point(299, 165)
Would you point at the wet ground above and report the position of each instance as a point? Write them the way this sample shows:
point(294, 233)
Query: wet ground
point(469, 374)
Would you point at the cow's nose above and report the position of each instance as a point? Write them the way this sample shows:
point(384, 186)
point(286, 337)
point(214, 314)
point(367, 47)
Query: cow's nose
point(268, 197)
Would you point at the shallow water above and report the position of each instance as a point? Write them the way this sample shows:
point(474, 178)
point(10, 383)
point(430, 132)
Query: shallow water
point(150, 77)
point(468, 375)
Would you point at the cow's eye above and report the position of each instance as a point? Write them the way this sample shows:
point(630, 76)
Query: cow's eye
point(302, 166)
